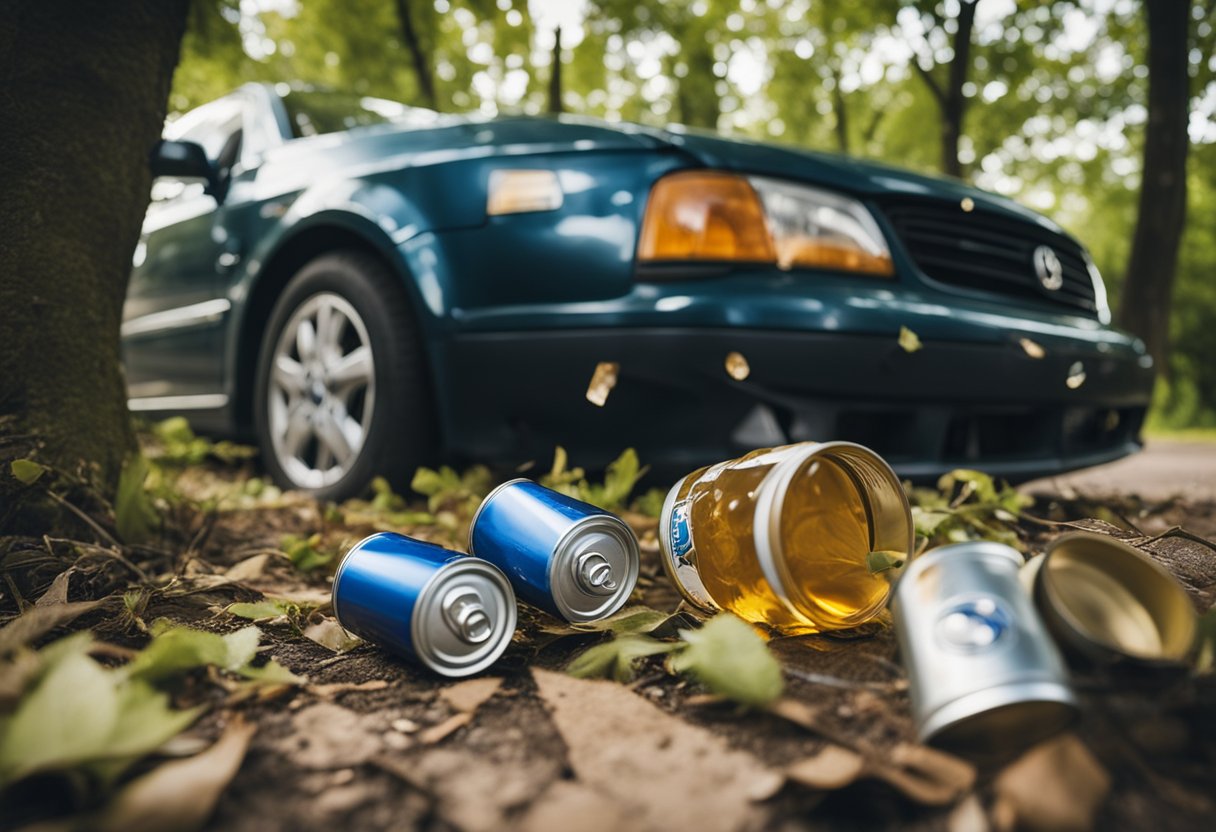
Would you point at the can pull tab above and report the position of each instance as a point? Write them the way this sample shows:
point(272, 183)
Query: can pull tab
point(465, 614)
point(594, 574)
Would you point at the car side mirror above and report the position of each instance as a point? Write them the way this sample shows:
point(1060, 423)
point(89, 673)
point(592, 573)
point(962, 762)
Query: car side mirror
point(184, 160)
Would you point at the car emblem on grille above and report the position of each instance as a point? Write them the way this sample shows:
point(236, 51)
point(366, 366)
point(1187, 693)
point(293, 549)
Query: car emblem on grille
point(1048, 268)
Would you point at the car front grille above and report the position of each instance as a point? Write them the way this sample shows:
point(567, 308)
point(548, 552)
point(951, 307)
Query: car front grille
point(988, 252)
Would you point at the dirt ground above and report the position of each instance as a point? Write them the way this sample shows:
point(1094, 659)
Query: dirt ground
point(374, 742)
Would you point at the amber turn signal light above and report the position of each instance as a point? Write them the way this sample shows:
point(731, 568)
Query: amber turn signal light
point(704, 215)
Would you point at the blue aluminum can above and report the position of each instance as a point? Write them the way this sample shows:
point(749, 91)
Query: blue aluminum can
point(562, 555)
point(453, 613)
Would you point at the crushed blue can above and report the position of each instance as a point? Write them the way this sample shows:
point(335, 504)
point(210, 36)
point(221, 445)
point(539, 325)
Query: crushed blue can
point(453, 613)
point(566, 557)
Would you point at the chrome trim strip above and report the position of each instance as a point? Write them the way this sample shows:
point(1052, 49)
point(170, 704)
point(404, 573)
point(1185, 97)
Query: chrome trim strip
point(206, 401)
point(195, 314)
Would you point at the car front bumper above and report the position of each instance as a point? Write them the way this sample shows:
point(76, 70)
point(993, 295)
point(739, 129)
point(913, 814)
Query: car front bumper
point(510, 397)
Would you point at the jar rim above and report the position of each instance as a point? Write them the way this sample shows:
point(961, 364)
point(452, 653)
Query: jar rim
point(885, 520)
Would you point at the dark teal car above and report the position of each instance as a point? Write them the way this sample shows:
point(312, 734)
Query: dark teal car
point(365, 286)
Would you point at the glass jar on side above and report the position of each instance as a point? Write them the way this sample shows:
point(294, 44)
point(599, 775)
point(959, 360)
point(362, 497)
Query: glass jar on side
point(804, 537)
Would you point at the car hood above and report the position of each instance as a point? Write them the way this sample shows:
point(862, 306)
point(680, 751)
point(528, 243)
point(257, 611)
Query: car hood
point(839, 172)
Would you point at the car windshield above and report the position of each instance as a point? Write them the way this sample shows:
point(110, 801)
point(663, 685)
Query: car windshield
point(312, 113)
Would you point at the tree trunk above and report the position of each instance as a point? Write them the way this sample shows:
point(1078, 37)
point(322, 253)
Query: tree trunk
point(83, 99)
point(555, 74)
point(950, 99)
point(696, 94)
point(839, 109)
point(1148, 288)
point(422, 67)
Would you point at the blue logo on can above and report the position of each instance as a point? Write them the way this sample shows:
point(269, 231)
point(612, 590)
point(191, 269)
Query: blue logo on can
point(974, 625)
point(681, 536)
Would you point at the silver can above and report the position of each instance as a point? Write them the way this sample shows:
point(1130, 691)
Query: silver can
point(985, 678)
point(1109, 603)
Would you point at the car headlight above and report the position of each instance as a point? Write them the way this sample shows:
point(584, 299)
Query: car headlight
point(706, 216)
point(1100, 301)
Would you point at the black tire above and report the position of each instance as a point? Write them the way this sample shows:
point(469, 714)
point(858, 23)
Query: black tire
point(401, 431)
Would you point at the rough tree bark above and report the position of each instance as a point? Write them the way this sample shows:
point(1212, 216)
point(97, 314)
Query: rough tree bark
point(950, 99)
point(422, 67)
point(555, 74)
point(83, 93)
point(840, 110)
point(1148, 289)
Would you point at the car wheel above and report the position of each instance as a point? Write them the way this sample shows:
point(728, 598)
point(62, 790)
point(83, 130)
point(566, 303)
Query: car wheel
point(341, 389)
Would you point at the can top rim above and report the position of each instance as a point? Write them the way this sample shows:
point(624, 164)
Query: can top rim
point(1167, 582)
point(933, 556)
point(483, 655)
point(561, 568)
point(770, 504)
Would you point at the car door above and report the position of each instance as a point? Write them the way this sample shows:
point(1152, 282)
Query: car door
point(175, 311)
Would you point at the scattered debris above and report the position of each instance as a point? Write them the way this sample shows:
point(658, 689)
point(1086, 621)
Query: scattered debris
point(909, 341)
point(330, 634)
point(1032, 348)
point(1055, 787)
point(326, 736)
point(602, 382)
point(469, 695)
point(737, 366)
point(440, 732)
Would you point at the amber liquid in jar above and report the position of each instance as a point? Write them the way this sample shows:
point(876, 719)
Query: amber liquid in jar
point(825, 535)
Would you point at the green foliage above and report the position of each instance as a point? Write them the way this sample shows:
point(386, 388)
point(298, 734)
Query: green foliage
point(445, 489)
point(134, 514)
point(175, 444)
point(726, 655)
point(26, 471)
point(71, 714)
point(729, 658)
point(617, 659)
point(621, 476)
point(306, 553)
point(967, 505)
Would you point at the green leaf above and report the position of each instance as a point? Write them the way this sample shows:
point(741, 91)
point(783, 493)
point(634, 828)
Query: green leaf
point(242, 646)
point(68, 717)
point(305, 552)
point(730, 659)
point(616, 659)
point(909, 341)
point(620, 478)
point(272, 673)
point(650, 503)
point(134, 514)
point(145, 722)
point(178, 650)
point(629, 621)
point(258, 610)
point(26, 471)
point(881, 561)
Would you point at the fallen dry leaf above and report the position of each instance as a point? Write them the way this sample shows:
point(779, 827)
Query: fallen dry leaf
point(57, 592)
point(468, 696)
point(327, 736)
point(1057, 786)
point(336, 688)
point(37, 621)
point(330, 634)
point(602, 382)
point(444, 729)
point(968, 816)
point(566, 805)
point(909, 341)
point(248, 569)
point(180, 795)
point(922, 774)
point(832, 768)
point(627, 749)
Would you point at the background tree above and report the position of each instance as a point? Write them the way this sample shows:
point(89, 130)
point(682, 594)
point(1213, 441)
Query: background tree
point(82, 104)
point(948, 91)
point(1148, 287)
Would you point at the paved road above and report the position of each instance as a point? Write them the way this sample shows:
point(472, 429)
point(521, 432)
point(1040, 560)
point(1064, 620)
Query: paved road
point(1165, 468)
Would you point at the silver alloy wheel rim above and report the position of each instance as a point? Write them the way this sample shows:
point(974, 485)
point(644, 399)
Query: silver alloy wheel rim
point(321, 392)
